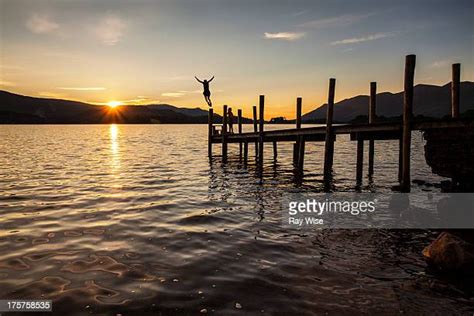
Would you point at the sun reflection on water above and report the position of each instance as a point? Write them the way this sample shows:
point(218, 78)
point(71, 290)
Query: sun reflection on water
point(114, 147)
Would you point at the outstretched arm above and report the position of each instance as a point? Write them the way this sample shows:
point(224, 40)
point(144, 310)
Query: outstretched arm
point(198, 79)
point(211, 79)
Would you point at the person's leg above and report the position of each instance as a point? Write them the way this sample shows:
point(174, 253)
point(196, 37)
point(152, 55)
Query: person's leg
point(208, 100)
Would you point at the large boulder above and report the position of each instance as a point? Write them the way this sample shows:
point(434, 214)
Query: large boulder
point(450, 253)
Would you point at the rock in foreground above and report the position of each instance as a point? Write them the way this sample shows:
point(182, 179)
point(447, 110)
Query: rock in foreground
point(450, 253)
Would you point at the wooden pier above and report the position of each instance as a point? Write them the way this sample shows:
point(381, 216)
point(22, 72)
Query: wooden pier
point(371, 131)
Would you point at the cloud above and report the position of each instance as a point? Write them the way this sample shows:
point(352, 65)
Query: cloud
point(139, 100)
point(41, 24)
point(286, 36)
point(82, 88)
point(187, 91)
point(110, 29)
point(354, 40)
point(298, 13)
point(180, 93)
point(173, 94)
point(48, 94)
point(441, 63)
point(342, 20)
point(7, 83)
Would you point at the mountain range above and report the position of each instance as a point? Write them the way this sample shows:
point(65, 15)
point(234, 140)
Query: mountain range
point(16, 108)
point(429, 101)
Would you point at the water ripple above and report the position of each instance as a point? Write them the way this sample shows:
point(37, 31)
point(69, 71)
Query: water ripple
point(129, 218)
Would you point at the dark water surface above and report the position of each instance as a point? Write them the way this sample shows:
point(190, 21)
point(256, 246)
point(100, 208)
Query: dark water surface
point(127, 218)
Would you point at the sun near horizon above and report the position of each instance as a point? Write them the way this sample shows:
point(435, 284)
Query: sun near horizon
point(114, 104)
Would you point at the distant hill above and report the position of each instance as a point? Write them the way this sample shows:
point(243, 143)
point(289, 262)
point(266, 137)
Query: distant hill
point(429, 100)
point(16, 108)
point(186, 111)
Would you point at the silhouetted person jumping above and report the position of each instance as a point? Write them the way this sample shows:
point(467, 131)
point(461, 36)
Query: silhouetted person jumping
point(207, 92)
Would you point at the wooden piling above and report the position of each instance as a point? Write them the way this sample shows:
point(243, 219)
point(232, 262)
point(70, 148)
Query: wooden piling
point(299, 103)
point(329, 141)
point(298, 126)
point(295, 154)
point(255, 129)
point(275, 152)
point(260, 138)
point(246, 151)
point(224, 134)
point(209, 131)
point(301, 150)
point(239, 122)
point(410, 62)
point(360, 161)
point(400, 159)
point(455, 84)
point(372, 115)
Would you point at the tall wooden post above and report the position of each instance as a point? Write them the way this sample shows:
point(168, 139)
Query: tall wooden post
point(372, 115)
point(298, 126)
point(455, 83)
point(275, 150)
point(224, 134)
point(260, 138)
point(301, 150)
point(239, 122)
point(410, 62)
point(255, 129)
point(295, 153)
point(400, 159)
point(299, 103)
point(246, 151)
point(360, 161)
point(329, 142)
point(209, 132)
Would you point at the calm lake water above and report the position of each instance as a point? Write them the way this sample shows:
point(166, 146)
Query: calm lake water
point(124, 218)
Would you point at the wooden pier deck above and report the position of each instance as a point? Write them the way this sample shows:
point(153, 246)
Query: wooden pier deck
point(371, 131)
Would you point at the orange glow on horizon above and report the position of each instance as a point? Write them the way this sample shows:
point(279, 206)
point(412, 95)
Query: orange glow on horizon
point(114, 104)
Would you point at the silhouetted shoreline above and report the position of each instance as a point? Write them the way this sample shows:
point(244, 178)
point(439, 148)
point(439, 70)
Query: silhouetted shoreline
point(19, 109)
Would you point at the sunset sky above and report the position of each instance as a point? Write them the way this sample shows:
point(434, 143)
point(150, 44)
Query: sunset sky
point(142, 52)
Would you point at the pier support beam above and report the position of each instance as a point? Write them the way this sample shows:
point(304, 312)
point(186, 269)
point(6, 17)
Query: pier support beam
point(209, 132)
point(255, 129)
point(246, 151)
point(360, 161)
point(455, 83)
point(372, 116)
point(260, 138)
point(224, 134)
point(301, 150)
point(407, 117)
point(239, 122)
point(329, 142)
point(275, 151)
point(298, 126)
point(295, 154)
point(400, 159)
